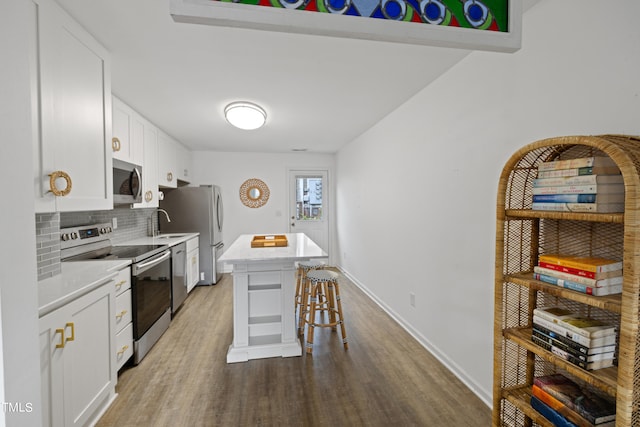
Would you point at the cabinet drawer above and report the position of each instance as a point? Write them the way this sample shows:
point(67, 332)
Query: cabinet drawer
point(124, 345)
point(123, 310)
point(123, 280)
point(192, 244)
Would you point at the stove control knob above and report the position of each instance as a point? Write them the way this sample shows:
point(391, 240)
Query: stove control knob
point(103, 230)
point(65, 237)
point(109, 229)
point(74, 235)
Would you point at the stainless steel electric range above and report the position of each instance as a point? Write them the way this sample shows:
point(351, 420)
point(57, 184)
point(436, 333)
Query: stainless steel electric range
point(150, 278)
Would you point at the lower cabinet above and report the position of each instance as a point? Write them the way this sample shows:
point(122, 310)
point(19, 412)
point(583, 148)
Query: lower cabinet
point(193, 263)
point(124, 318)
point(77, 363)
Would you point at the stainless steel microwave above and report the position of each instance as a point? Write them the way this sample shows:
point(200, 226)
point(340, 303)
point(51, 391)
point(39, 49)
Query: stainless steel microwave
point(127, 183)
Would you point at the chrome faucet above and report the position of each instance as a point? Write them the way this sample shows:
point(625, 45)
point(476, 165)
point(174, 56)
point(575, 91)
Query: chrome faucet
point(154, 224)
point(165, 214)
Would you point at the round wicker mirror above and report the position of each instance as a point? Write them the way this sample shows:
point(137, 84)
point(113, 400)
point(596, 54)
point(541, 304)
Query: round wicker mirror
point(254, 193)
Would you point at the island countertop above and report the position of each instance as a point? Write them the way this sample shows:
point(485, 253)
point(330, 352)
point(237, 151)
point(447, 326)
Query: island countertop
point(299, 247)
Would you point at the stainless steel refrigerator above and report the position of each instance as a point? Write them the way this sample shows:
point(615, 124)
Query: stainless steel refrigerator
point(197, 209)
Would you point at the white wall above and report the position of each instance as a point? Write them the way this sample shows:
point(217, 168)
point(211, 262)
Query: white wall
point(230, 170)
point(20, 370)
point(416, 193)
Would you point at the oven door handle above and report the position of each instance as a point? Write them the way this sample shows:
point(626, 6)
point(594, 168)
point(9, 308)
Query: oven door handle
point(151, 263)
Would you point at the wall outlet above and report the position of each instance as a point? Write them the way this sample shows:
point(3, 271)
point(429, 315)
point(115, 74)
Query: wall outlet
point(202, 275)
point(412, 299)
point(114, 223)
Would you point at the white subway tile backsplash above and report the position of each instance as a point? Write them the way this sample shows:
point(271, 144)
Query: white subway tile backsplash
point(132, 224)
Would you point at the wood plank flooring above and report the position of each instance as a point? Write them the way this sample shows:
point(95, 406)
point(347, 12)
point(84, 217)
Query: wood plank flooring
point(385, 378)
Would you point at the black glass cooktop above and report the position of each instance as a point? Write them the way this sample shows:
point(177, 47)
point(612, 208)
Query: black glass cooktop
point(135, 252)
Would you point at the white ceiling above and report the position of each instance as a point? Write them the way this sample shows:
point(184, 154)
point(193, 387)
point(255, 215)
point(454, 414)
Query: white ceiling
point(319, 92)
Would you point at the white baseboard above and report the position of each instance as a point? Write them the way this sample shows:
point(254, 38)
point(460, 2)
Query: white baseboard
point(484, 395)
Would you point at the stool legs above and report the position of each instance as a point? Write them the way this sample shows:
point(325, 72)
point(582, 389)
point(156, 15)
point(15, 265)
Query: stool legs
point(331, 304)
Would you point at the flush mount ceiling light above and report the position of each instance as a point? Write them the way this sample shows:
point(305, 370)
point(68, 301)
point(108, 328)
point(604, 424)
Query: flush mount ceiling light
point(245, 115)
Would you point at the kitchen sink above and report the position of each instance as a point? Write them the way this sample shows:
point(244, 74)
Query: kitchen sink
point(171, 236)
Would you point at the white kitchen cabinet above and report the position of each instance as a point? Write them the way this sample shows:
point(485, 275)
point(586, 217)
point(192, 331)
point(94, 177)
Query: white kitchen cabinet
point(123, 318)
point(183, 157)
point(193, 263)
point(71, 94)
point(167, 172)
point(127, 142)
point(174, 162)
point(150, 167)
point(77, 362)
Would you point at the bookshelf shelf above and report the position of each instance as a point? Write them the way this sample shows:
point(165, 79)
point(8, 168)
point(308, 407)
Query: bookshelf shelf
point(520, 397)
point(608, 302)
point(593, 217)
point(603, 379)
point(522, 235)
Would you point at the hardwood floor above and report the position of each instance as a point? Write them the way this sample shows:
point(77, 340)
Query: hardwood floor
point(385, 378)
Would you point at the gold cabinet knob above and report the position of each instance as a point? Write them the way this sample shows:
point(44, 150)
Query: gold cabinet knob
point(148, 196)
point(122, 350)
point(119, 284)
point(121, 314)
point(53, 177)
point(169, 176)
point(115, 144)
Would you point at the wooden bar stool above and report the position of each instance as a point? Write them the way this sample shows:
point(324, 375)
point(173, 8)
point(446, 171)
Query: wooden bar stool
point(303, 268)
point(321, 282)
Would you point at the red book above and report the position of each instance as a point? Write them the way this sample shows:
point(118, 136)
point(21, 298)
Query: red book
point(579, 272)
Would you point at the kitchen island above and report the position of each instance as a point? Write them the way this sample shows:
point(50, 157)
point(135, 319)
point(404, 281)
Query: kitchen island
point(263, 296)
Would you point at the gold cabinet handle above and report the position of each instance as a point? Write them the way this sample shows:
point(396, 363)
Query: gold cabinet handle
point(62, 341)
point(148, 196)
point(115, 144)
point(73, 331)
point(122, 350)
point(53, 176)
point(119, 284)
point(121, 314)
point(170, 176)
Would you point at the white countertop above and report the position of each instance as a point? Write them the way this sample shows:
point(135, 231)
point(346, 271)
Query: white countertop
point(80, 277)
point(77, 278)
point(169, 239)
point(300, 247)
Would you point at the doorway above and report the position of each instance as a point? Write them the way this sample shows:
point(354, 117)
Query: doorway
point(308, 205)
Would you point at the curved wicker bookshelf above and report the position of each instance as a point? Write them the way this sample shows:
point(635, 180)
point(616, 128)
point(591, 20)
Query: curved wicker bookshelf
point(522, 235)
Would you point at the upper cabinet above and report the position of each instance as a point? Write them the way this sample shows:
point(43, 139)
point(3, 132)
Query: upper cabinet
point(150, 169)
point(173, 162)
point(71, 86)
point(167, 174)
point(127, 142)
point(183, 157)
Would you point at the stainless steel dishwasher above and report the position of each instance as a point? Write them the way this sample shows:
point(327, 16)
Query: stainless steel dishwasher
point(178, 276)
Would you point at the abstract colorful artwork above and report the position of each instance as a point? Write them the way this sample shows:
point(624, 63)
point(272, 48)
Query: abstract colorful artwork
point(491, 15)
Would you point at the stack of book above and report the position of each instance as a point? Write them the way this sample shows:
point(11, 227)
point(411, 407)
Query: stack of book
point(565, 403)
point(586, 184)
point(582, 341)
point(589, 275)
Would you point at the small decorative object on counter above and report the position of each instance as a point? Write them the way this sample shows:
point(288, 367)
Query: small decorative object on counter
point(268, 241)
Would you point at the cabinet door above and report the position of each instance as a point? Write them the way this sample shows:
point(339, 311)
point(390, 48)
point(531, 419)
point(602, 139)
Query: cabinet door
point(150, 168)
point(74, 109)
point(52, 342)
point(128, 134)
point(193, 269)
point(167, 175)
point(89, 360)
point(183, 157)
point(122, 117)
